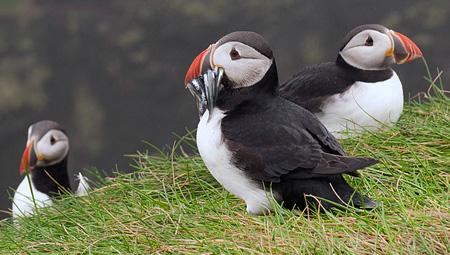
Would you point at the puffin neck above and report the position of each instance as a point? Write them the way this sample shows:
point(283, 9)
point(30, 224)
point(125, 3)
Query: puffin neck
point(357, 74)
point(267, 87)
point(56, 184)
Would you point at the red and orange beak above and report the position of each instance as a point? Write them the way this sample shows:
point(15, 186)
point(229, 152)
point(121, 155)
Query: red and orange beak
point(29, 157)
point(206, 90)
point(25, 161)
point(405, 50)
point(199, 66)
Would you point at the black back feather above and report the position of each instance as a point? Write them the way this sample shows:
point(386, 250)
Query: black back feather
point(313, 85)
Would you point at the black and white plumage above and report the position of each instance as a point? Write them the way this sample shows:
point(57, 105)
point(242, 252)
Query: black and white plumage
point(359, 91)
point(253, 141)
point(45, 157)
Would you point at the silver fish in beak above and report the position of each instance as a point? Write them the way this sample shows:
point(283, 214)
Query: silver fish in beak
point(212, 79)
point(206, 90)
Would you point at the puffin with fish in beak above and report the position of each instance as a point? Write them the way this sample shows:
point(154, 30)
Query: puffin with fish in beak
point(259, 146)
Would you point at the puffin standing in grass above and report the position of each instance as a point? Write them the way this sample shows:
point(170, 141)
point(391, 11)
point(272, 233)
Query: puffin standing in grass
point(359, 91)
point(258, 145)
point(45, 159)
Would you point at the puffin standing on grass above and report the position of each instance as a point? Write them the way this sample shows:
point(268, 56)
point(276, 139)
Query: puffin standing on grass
point(45, 159)
point(359, 91)
point(258, 145)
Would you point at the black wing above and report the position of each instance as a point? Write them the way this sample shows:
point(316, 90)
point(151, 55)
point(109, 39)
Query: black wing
point(285, 140)
point(311, 86)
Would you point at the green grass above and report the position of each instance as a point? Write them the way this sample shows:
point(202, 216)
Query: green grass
point(172, 205)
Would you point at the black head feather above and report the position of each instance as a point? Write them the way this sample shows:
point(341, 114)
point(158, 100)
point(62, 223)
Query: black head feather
point(40, 128)
point(249, 38)
point(356, 30)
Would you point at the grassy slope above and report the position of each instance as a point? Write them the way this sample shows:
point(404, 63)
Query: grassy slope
point(172, 205)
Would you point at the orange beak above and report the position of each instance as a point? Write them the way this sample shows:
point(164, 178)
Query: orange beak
point(25, 161)
point(405, 50)
point(198, 66)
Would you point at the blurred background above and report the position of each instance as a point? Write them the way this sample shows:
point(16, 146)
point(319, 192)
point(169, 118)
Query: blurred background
point(111, 72)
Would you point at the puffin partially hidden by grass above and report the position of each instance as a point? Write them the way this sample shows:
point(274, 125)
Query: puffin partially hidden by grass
point(259, 145)
point(359, 91)
point(45, 159)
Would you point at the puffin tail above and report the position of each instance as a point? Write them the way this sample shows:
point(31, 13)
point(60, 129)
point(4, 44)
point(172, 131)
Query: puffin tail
point(83, 185)
point(340, 192)
point(325, 193)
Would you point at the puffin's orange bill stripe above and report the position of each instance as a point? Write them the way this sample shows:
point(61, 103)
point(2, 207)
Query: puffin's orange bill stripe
point(196, 66)
point(24, 162)
point(410, 46)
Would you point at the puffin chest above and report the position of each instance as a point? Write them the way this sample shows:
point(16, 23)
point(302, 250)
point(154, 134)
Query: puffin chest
point(218, 159)
point(23, 204)
point(364, 106)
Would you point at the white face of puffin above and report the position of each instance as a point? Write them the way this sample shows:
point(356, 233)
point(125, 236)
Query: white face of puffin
point(244, 66)
point(52, 148)
point(240, 59)
point(369, 50)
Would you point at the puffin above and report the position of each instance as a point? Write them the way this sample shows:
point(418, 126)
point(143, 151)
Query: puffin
point(45, 162)
point(258, 145)
point(359, 91)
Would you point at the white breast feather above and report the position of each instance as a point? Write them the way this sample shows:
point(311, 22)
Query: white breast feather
point(23, 202)
point(365, 106)
point(218, 158)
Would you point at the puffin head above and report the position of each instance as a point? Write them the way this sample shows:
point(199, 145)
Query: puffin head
point(238, 60)
point(375, 47)
point(47, 145)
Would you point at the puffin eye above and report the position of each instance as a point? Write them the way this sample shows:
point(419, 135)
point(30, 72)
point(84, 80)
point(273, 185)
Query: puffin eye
point(52, 140)
point(234, 54)
point(369, 41)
